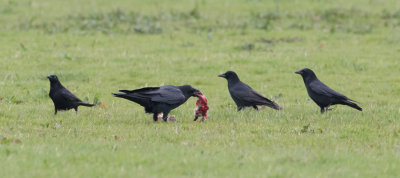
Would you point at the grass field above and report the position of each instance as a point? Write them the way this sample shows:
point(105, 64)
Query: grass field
point(97, 47)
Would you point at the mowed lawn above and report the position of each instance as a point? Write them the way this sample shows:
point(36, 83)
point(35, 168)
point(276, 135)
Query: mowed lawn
point(97, 47)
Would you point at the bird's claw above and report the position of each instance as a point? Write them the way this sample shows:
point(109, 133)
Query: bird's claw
point(167, 119)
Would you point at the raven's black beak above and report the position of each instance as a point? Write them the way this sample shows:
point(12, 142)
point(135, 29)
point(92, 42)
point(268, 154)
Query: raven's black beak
point(222, 75)
point(298, 72)
point(48, 76)
point(197, 93)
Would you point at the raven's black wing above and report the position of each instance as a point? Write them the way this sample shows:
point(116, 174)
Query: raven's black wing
point(145, 89)
point(321, 89)
point(247, 96)
point(167, 94)
point(68, 96)
point(138, 96)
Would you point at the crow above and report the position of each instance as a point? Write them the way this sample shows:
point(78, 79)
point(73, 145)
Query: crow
point(245, 96)
point(62, 98)
point(322, 95)
point(159, 100)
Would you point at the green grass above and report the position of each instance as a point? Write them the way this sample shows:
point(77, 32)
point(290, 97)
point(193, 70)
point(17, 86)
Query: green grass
point(98, 47)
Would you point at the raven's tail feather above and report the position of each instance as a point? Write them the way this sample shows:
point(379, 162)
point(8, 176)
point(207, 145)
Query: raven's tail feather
point(86, 104)
point(353, 105)
point(120, 95)
point(125, 91)
point(132, 97)
point(137, 98)
point(273, 105)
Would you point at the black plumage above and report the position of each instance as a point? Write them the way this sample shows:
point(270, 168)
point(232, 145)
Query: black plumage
point(62, 98)
point(321, 94)
point(158, 100)
point(244, 95)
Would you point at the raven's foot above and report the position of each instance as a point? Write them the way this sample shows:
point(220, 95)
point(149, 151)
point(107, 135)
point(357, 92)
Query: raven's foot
point(159, 117)
point(169, 118)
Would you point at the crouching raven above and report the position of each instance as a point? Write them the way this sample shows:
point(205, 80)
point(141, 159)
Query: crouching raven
point(159, 100)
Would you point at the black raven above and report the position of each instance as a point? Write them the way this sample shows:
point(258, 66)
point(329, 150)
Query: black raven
point(159, 100)
point(62, 98)
point(322, 94)
point(245, 96)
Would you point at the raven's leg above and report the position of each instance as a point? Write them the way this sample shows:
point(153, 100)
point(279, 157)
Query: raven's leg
point(255, 107)
point(76, 110)
point(55, 111)
point(165, 116)
point(329, 109)
point(155, 117)
point(195, 118)
point(322, 110)
point(240, 108)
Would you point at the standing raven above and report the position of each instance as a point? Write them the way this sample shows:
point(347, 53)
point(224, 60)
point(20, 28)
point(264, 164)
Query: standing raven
point(62, 98)
point(158, 100)
point(245, 96)
point(322, 94)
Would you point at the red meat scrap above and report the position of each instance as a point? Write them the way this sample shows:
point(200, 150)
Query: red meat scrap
point(201, 108)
